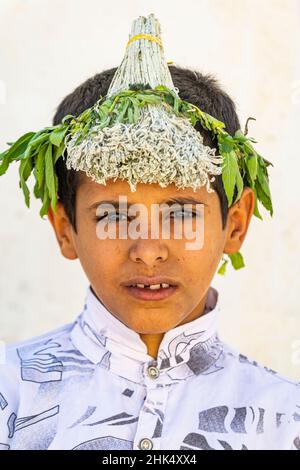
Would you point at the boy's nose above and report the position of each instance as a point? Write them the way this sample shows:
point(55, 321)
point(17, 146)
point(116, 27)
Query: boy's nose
point(148, 251)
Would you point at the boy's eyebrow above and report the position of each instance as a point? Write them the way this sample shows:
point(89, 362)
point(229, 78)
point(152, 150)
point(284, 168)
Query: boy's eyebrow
point(179, 200)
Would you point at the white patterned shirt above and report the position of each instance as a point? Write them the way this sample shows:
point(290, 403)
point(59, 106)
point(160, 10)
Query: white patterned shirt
point(92, 385)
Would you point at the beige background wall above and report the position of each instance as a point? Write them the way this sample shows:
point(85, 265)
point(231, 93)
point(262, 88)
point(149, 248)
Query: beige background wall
point(253, 48)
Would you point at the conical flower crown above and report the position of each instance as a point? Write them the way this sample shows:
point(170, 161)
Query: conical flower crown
point(142, 144)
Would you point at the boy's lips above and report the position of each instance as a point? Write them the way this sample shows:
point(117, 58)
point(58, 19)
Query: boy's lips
point(149, 280)
point(150, 294)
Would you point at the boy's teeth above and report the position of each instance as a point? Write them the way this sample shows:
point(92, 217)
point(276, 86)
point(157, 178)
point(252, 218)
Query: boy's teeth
point(153, 286)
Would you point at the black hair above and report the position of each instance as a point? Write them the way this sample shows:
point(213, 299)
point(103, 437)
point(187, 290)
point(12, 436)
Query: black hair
point(201, 90)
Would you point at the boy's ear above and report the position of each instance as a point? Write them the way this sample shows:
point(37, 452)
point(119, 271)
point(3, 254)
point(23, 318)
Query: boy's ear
point(239, 216)
point(63, 231)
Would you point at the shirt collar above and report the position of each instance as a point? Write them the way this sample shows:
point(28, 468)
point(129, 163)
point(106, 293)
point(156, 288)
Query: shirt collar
point(187, 349)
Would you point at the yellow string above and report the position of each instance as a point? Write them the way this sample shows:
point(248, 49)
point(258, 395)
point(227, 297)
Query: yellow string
point(145, 36)
point(150, 38)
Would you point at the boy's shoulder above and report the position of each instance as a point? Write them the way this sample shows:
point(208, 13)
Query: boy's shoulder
point(50, 338)
point(257, 379)
point(25, 367)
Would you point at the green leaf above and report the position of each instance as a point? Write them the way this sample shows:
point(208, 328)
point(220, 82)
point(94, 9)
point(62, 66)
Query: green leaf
point(239, 185)
point(24, 173)
point(130, 115)
point(36, 190)
point(248, 148)
point(58, 152)
point(46, 203)
point(115, 100)
point(136, 111)
point(264, 199)
point(150, 99)
point(5, 161)
point(25, 192)
point(34, 143)
point(222, 269)
point(40, 165)
point(84, 116)
point(240, 136)
point(264, 162)
point(229, 175)
point(251, 162)
point(67, 118)
point(123, 111)
point(225, 145)
point(50, 175)
point(54, 198)
point(58, 135)
point(256, 211)
point(237, 260)
point(264, 183)
point(25, 168)
point(176, 105)
point(18, 148)
point(161, 88)
point(262, 186)
point(216, 123)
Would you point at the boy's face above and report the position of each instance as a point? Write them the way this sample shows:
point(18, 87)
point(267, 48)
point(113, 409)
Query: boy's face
point(110, 264)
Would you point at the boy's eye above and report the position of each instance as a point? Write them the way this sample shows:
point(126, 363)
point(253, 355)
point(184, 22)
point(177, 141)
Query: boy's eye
point(112, 217)
point(183, 213)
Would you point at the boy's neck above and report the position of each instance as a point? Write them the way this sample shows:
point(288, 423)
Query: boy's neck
point(153, 341)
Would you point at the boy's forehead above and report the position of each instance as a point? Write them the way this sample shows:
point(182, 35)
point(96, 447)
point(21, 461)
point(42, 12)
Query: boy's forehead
point(145, 192)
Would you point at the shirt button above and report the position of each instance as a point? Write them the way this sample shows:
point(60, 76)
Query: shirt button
point(145, 444)
point(153, 372)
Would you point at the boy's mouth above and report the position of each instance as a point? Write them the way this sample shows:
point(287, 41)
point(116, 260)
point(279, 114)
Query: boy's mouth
point(146, 288)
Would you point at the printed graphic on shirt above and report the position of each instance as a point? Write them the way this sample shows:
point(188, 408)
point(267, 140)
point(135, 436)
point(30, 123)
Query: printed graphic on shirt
point(213, 419)
point(127, 392)
point(4, 446)
point(201, 358)
point(297, 443)
point(159, 423)
point(89, 412)
point(242, 420)
point(3, 402)
point(14, 424)
point(199, 442)
point(204, 355)
point(45, 362)
point(116, 420)
point(105, 443)
point(98, 338)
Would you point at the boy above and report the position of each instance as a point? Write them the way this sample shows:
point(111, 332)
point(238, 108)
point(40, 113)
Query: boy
point(142, 367)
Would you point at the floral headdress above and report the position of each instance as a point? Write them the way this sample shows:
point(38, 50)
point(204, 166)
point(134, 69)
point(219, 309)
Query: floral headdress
point(141, 132)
